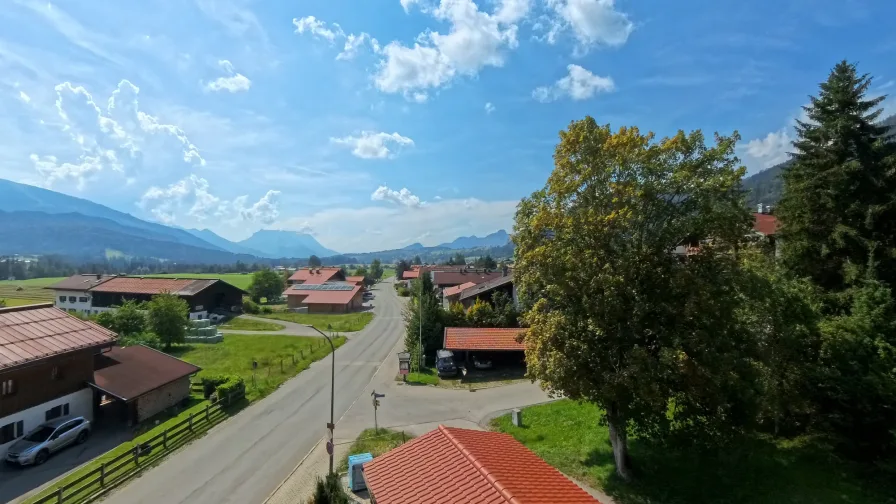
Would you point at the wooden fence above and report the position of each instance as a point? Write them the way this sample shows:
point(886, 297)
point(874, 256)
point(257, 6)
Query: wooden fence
point(115, 470)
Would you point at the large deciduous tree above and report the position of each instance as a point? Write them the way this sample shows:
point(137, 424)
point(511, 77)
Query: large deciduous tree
point(267, 284)
point(167, 316)
point(618, 319)
point(422, 293)
point(839, 198)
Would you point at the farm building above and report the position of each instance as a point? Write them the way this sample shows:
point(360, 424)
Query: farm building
point(316, 276)
point(330, 297)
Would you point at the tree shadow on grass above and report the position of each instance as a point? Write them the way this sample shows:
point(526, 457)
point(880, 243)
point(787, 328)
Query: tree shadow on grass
point(749, 471)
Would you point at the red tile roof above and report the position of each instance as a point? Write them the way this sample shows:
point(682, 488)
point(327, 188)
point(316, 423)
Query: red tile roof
point(79, 282)
point(407, 275)
point(137, 285)
point(482, 338)
point(456, 466)
point(355, 279)
point(130, 372)
point(457, 289)
point(440, 278)
point(765, 224)
point(340, 297)
point(314, 275)
point(30, 333)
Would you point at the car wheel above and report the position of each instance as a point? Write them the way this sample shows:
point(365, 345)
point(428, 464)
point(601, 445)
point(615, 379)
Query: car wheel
point(41, 457)
point(82, 436)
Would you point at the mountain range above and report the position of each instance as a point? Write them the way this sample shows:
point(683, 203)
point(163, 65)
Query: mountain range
point(35, 221)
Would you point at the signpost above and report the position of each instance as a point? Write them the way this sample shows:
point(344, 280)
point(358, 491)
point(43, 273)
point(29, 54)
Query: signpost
point(376, 403)
point(404, 364)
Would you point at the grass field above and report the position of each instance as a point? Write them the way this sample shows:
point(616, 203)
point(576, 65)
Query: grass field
point(752, 471)
point(32, 291)
point(236, 279)
point(425, 377)
point(374, 442)
point(340, 322)
point(275, 356)
point(244, 324)
point(388, 272)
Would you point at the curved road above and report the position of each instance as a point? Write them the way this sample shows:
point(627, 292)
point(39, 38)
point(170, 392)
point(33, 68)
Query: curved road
point(242, 460)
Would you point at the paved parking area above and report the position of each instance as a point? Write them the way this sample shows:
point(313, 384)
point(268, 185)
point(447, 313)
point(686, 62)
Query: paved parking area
point(18, 482)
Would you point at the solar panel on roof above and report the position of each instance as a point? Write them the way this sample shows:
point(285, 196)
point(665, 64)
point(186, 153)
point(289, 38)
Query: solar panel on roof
point(324, 287)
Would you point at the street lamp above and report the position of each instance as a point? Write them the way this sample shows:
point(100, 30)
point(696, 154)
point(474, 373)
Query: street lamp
point(331, 426)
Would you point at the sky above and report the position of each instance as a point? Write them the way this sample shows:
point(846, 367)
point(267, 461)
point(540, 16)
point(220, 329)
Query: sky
point(373, 124)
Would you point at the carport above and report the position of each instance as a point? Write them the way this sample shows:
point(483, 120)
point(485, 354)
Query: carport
point(504, 346)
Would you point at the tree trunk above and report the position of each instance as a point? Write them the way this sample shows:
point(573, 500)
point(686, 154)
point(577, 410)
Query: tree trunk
point(619, 442)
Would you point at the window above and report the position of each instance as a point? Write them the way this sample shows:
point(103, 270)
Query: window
point(56, 412)
point(11, 431)
point(61, 299)
point(8, 387)
point(71, 299)
point(83, 299)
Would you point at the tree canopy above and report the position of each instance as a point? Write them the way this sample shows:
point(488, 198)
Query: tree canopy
point(314, 261)
point(266, 283)
point(167, 316)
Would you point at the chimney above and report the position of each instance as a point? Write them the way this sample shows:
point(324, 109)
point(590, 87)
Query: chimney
point(759, 208)
point(504, 271)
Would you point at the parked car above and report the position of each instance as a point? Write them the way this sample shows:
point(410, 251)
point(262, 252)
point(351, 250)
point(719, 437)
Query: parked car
point(480, 363)
point(445, 363)
point(48, 438)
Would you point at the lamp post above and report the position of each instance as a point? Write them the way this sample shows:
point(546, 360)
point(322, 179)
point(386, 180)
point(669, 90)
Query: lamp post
point(331, 426)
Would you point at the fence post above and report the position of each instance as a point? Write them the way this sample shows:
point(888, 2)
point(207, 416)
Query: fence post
point(59, 495)
point(191, 421)
point(137, 455)
point(165, 439)
point(103, 474)
point(281, 364)
point(207, 406)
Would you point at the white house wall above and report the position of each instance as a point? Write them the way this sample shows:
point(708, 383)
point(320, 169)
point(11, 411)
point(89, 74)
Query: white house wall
point(80, 403)
point(81, 306)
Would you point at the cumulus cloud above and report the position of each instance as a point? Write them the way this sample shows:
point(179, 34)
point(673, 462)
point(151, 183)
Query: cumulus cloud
point(579, 84)
point(234, 82)
point(766, 152)
point(334, 32)
point(475, 39)
point(489, 108)
point(24, 97)
point(592, 23)
point(191, 197)
point(115, 137)
point(403, 197)
point(373, 145)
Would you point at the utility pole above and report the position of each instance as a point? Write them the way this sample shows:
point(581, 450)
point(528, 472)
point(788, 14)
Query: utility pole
point(420, 340)
point(376, 403)
point(330, 426)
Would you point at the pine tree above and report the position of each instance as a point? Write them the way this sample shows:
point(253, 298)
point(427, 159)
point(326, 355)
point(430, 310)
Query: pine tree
point(838, 200)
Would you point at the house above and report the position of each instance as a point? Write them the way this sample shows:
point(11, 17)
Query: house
point(316, 276)
point(504, 346)
point(46, 366)
point(485, 290)
point(463, 466)
point(355, 280)
point(452, 294)
point(330, 297)
point(137, 382)
point(445, 279)
point(97, 294)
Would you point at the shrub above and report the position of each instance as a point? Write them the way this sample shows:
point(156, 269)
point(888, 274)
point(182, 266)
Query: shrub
point(329, 490)
point(233, 385)
point(146, 338)
point(404, 292)
point(250, 306)
point(210, 384)
point(267, 310)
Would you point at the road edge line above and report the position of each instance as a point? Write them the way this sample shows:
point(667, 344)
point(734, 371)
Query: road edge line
point(294, 469)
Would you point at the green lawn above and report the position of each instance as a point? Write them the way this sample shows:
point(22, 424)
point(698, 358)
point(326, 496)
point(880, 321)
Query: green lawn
point(374, 442)
point(388, 272)
point(25, 292)
point(425, 377)
point(753, 471)
point(33, 282)
point(238, 279)
point(244, 324)
point(236, 353)
point(10, 302)
point(340, 322)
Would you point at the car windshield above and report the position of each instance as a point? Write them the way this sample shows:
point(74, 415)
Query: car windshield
point(40, 435)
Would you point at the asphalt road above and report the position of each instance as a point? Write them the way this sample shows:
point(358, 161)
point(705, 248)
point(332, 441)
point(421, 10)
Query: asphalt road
point(244, 459)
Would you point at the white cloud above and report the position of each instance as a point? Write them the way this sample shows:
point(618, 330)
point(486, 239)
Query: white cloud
point(167, 204)
point(319, 29)
point(373, 145)
point(234, 82)
point(406, 4)
point(489, 108)
point(579, 84)
point(592, 22)
point(394, 224)
point(769, 151)
point(24, 97)
point(474, 40)
point(403, 197)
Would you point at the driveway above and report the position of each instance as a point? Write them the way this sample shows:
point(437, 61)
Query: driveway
point(16, 481)
point(289, 328)
point(245, 458)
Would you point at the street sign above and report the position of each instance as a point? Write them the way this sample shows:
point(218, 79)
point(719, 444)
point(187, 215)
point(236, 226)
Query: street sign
point(330, 447)
point(374, 394)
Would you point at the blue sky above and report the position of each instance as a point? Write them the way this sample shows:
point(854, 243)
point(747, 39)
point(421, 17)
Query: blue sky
point(373, 124)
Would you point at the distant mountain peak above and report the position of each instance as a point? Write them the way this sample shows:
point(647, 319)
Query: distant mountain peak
point(280, 243)
point(497, 239)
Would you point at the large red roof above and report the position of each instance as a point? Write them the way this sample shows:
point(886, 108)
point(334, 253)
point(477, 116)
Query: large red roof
point(340, 297)
point(137, 285)
point(408, 274)
point(483, 338)
point(30, 333)
point(457, 289)
point(765, 224)
point(314, 275)
point(461, 466)
point(440, 278)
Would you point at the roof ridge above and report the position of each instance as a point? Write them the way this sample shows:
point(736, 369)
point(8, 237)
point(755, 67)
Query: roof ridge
point(480, 467)
point(35, 306)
